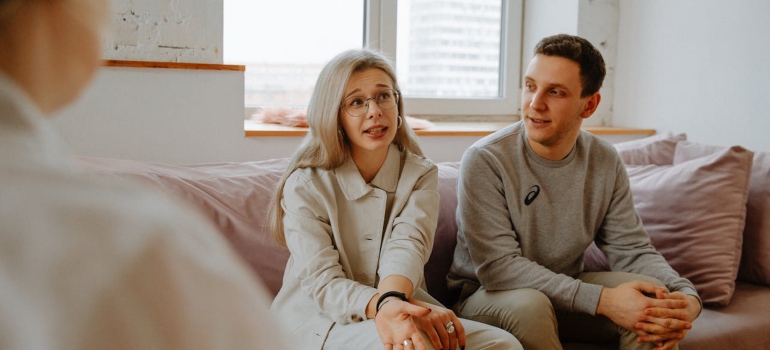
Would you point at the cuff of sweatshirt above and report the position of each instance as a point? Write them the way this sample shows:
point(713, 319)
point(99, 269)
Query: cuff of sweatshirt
point(587, 298)
point(690, 291)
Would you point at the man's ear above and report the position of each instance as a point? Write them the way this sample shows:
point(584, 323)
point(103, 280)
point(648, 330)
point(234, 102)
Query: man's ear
point(591, 104)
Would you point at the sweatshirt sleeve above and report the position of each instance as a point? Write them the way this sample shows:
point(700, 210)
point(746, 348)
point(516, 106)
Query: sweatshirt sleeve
point(627, 245)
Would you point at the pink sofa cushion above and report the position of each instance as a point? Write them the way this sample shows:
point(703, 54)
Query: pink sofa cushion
point(446, 234)
point(755, 262)
point(235, 196)
point(694, 212)
point(656, 149)
point(742, 325)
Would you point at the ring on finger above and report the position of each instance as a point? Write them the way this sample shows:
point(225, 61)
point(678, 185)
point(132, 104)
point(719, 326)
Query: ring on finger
point(450, 327)
point(407, 342)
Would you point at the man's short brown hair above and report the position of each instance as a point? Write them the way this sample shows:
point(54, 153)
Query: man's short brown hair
point(581, 51)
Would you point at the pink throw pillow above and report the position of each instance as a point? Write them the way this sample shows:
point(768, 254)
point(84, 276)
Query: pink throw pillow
point(694, 212)
point(755, 262)
point(656, 149)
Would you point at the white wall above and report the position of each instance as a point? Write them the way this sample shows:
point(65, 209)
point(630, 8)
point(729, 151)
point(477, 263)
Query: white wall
point(169, 115)
point(595, 20)
point(182, 116)
point(195, 116)
point(166, 31)
point(176, 116)
point(701, 67)
point(598, 22)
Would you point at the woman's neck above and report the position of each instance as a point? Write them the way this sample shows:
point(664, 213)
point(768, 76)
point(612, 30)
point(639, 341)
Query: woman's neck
point(369, 163)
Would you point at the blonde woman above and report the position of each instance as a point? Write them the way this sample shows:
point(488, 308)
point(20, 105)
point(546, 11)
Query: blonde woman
point(357, 209)
point(88, 264)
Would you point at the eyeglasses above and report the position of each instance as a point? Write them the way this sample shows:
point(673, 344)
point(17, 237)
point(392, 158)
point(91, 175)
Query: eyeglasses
point(357, 106)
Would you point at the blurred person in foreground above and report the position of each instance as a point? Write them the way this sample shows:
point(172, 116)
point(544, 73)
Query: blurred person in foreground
point(94, 264)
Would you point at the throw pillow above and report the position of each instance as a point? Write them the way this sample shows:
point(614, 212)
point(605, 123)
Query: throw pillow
point(656, 149)
point(694, 212)
point(755, 261)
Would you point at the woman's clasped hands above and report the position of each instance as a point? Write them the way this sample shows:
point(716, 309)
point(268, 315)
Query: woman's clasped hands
point(399, 324)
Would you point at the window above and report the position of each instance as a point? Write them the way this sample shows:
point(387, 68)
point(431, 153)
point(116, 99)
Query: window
point(284, 45)
point(457, 58)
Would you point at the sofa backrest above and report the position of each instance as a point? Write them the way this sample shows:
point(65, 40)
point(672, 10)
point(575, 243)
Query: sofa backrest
point(446, 234)
point(236, 197)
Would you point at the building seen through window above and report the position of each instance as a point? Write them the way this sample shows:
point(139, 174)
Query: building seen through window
point(449, 48)
point(445, 49)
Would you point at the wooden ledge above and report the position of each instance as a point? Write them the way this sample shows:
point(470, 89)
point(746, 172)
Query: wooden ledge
point(173, 65)
point(255, 128)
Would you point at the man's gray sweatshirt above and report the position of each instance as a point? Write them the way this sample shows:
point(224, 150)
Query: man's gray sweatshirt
point(525, 222)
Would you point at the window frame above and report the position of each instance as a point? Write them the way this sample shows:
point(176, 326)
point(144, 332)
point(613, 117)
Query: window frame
point(380, 32)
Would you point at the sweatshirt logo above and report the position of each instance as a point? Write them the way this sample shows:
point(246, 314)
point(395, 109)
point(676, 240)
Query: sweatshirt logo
point(533, 192)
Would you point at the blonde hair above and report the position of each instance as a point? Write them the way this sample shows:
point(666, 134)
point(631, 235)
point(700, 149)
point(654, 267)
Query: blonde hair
point(325, 145)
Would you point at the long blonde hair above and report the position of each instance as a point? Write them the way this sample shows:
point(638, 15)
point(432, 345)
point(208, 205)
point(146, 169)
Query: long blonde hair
point(325, 145)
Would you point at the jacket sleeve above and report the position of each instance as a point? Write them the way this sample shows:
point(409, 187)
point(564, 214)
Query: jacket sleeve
point(409, 246)
point(316, 260)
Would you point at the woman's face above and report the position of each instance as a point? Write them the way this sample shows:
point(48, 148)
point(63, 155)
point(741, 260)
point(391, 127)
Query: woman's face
point(374, 129)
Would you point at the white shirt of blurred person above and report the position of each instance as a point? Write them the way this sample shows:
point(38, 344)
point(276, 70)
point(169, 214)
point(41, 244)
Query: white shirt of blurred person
point(88, 264)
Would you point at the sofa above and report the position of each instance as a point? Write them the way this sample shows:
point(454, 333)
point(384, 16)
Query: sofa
point(707, 209)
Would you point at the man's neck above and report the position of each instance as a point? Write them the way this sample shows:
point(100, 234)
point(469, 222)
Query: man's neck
point(553, 152)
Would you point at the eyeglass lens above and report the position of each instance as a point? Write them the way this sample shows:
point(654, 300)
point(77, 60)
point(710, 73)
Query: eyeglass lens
point(357, 106)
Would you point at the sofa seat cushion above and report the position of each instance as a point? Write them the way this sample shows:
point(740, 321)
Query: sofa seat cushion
point(742, 325)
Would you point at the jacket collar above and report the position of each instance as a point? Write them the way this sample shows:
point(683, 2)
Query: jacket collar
point(354, 186)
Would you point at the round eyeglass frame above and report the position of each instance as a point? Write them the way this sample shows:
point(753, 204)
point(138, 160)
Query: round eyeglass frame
point(395, 92)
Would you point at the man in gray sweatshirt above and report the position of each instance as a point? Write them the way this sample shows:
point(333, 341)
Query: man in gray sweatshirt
point(533, 196)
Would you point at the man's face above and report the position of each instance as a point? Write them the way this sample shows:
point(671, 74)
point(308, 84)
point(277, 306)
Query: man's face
point(552, 109)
